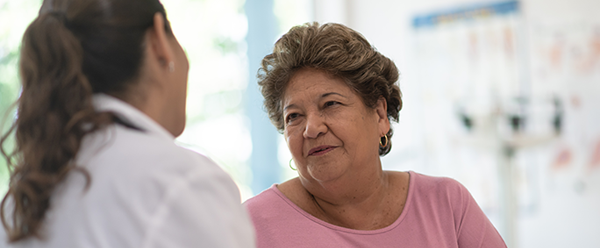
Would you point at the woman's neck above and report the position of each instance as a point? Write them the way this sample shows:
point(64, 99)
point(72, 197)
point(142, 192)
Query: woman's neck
point(355, 205)
point(360, 205)
point(152, 101)
point(348, 189)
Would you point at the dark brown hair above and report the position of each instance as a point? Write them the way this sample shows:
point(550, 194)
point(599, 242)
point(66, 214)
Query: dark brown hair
point(339, 51)
point(73, 49)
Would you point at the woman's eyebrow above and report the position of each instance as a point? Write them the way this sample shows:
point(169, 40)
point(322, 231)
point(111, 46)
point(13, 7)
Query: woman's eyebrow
point(289, 106)
point(322, 96)
point(332, 93)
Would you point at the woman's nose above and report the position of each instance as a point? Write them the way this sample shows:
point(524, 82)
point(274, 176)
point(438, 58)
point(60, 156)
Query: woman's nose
point(315, 126)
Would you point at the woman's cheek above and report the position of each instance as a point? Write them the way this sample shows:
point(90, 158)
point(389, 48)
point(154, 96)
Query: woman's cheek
point(295, 144)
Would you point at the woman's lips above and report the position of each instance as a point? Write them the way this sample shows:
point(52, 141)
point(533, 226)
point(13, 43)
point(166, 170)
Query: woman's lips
point(320, 150)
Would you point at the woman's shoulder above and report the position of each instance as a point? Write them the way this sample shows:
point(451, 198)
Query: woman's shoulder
point(147, 165)
point(268, 210)
point(275, 200)
point(434, 183)
point(128, 148)
point(265, 200)
point(261, 200)
point(147, 172)
point(437, 188)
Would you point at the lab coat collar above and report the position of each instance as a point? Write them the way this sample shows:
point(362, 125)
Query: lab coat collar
point(129, 114)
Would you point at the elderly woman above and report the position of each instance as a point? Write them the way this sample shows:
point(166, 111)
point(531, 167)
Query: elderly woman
point(333, 95)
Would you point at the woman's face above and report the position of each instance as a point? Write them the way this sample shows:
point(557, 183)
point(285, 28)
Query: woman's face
point(330, 132)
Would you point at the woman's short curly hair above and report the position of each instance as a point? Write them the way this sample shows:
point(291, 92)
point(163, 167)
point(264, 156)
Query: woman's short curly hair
point(339, 51)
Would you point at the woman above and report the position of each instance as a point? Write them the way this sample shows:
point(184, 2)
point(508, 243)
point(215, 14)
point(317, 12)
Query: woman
point(332, 95)
point(103, 96)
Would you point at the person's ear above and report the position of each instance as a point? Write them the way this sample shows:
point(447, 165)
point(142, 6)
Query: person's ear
point(159, 43)
point(382, 117)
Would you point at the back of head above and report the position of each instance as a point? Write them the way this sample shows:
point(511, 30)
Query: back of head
point(339, 51)
point(73, 49)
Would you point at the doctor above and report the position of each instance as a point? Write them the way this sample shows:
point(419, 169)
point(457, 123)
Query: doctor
point(103, 96)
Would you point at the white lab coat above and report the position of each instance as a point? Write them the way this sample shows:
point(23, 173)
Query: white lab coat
point(145, 192)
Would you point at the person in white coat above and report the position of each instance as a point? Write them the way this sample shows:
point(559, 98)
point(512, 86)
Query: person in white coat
point(95, 164)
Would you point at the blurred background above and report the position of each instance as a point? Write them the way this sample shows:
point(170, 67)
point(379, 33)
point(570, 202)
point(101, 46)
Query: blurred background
point(503, 96)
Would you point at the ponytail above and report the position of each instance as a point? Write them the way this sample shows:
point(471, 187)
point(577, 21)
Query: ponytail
point(55, 103)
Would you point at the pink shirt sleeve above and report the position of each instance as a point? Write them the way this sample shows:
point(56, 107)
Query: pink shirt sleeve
point(473, 227)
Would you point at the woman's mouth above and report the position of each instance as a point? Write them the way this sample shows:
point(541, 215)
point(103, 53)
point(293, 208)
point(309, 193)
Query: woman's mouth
point(320, 150)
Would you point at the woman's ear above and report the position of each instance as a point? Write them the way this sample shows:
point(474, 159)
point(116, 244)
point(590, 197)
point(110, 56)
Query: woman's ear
point(383, 120)
point(158, 43)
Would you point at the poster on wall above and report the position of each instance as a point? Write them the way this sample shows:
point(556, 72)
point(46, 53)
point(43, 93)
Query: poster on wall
point(509, 108)
point(565, 60)
point(472, 78)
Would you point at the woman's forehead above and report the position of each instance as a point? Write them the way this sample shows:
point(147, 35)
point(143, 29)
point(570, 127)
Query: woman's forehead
point(312, 83)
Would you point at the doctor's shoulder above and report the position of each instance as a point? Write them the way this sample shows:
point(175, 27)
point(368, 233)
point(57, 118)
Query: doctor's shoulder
point(191, 192)
point(141, 160)
point(164, 158)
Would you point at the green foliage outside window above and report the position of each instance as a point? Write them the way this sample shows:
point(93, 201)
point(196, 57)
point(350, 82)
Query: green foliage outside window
point(15, 16)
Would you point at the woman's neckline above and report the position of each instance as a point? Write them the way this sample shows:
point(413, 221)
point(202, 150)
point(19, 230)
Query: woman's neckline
point(401, 217)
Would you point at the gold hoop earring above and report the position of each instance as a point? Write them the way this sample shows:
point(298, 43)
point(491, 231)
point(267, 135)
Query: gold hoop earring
point(171, 66)
point(290, 163)
point(386, 142)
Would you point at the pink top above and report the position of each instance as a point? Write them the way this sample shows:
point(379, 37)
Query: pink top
point(439, 212)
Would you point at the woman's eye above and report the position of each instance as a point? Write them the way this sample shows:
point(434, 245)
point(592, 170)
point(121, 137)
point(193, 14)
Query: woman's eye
point(330, 103)
point(291, 117)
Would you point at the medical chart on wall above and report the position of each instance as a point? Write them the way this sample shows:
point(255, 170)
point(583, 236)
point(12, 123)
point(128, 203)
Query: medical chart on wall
point(565, 61)
point(468, 68)
point(510, 107)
